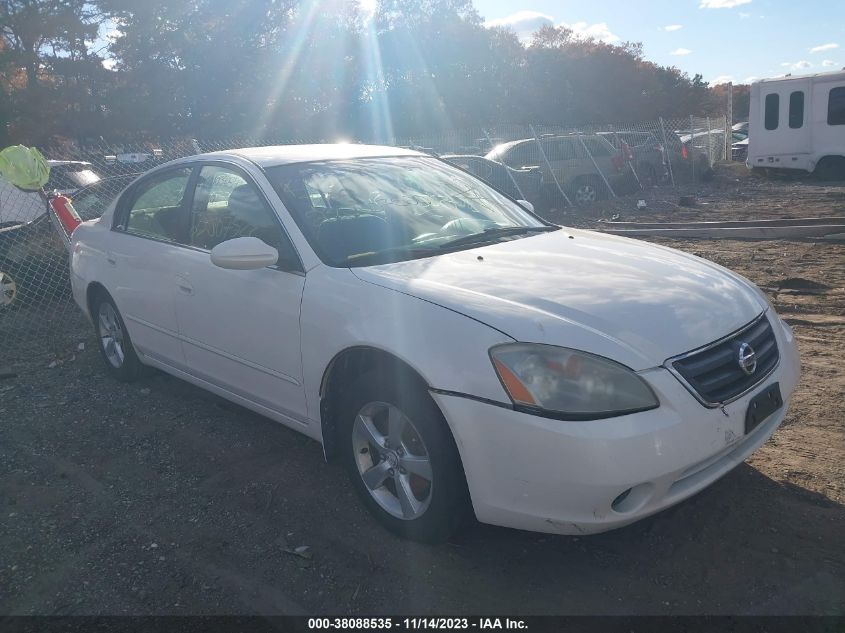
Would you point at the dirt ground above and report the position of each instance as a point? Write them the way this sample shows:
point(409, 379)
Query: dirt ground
point(158, 498)
point(734, 193)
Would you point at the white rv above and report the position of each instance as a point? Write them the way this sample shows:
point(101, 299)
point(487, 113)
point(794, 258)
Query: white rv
point(799, 123)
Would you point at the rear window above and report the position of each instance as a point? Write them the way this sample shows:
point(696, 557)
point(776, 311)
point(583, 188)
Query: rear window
point(521, 155)
point(772, 111)
point(64, 178)
point(836, 106)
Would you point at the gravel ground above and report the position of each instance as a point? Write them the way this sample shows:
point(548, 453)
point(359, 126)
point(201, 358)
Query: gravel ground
point(158, 498)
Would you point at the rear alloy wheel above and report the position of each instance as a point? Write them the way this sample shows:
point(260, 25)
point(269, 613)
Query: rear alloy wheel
point(401, 457)
point(113, 340)
point(8, 289)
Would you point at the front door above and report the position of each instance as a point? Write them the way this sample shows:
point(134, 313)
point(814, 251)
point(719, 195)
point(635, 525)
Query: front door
point(240, 328)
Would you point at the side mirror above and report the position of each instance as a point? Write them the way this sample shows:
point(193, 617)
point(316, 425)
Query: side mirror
point(526, 205)
point(244, 253)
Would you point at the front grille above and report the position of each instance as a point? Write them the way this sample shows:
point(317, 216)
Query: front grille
point(714, 373)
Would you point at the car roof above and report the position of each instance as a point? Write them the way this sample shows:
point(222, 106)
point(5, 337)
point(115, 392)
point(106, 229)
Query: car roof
point(64, 163)
point(275, 155)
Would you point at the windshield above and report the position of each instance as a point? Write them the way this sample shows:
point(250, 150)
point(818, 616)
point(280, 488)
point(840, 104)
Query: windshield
point(377, 210)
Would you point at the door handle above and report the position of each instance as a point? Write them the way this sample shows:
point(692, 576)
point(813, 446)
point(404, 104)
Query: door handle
point(184, 285)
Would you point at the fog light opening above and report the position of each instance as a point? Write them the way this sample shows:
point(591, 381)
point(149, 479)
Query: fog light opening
point(632, 499)
point(620, 500)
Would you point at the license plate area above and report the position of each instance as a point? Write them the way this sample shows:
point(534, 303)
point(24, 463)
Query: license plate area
point(762, 406)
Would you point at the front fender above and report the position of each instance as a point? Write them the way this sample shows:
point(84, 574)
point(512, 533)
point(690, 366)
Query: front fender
point(447, 349)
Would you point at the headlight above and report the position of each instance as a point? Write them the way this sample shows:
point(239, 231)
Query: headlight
point(569, 384)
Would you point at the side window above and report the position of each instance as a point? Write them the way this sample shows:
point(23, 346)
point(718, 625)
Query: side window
point(157, 210)
point(598, 146)
point(796, 109)
point(836, 106)
point(564, 149)
point(772, 111)
point(227, 206)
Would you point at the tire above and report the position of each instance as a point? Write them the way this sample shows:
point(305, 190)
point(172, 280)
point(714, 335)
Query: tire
point(8, 286)
point(586, 190)
point(425, 464)
point(113, 340)
point(830, 168)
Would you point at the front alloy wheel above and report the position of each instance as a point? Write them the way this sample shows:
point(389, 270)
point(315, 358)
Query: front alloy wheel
point(586, 194)
point(392, 460)
point(401, 457)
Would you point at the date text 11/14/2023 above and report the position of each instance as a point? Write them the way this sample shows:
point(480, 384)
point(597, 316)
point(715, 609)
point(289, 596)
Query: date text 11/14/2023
point(418, 624)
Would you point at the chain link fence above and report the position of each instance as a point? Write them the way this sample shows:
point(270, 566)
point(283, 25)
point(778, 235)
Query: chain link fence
point(556, 168)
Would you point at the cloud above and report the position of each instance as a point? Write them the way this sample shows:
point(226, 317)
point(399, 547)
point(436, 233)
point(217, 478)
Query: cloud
point(681, 51)
point(743, 15)
point(828, 63)
point(523, 23)
point(722, 79)
point(802, 65)
point(750, 80)
point(673, 27)
point(526, 23)
point(599, 31)
point(722, 4)
point(823, 47)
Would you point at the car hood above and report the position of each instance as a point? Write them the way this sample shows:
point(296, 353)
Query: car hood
point(635, 302)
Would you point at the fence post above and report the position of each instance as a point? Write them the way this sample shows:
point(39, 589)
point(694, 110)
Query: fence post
point(729, 120)
point(549, 165)
point(692, 147)
point(666, 149)
point(507, 169)
point(596, 165)
point(709, 144)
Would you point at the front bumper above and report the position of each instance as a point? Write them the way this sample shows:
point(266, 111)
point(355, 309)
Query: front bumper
point(546, 475)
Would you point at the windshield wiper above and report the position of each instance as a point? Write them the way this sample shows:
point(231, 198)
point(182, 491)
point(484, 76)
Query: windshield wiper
point(361, 259)
point(496, 231)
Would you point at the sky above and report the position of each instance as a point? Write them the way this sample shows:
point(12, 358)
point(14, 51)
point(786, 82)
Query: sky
point(724, 40)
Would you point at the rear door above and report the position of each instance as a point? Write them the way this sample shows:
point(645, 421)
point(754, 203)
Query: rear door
point(785, 109)
point(795, 115)
point(143, 259)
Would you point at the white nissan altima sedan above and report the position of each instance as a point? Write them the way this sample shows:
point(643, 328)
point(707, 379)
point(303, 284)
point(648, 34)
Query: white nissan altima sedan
point(456, 352)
